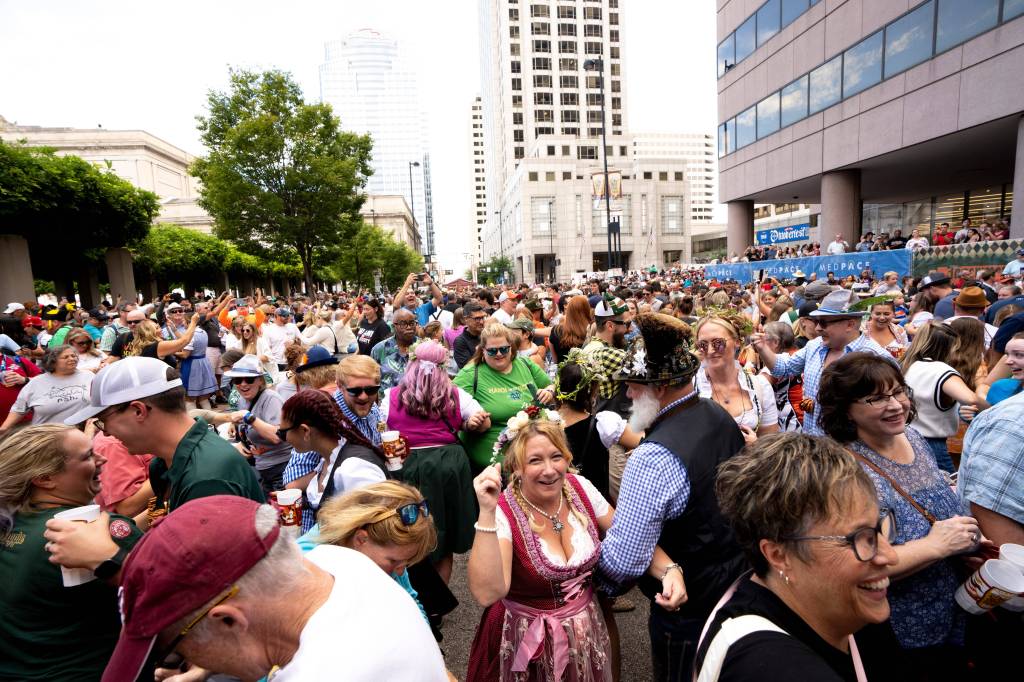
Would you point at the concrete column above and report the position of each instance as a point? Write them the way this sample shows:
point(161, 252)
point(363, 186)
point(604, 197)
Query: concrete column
point(840, 207)
point(222, 282)
point(122, 277)
point(740, 230)
point(16, 283)
point(88, 286)
point(244, 285)
point(1017, 217)
point(149, 289)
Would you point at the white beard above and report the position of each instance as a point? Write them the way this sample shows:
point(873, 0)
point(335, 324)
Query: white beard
point(644, 411)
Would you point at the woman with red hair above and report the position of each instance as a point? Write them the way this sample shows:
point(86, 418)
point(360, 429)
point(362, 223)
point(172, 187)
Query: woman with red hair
point(429, 411)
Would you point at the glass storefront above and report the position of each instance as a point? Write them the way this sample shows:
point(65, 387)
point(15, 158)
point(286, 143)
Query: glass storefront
point(985, 203)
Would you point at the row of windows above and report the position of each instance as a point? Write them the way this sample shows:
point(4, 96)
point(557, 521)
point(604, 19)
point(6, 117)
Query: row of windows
point(541, 80)
point(930, 28)
point(769, 19)
point(545, 64)
point(565, 47)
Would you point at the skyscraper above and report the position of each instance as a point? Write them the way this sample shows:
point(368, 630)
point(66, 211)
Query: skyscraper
point(372, 89)
point(479, 193)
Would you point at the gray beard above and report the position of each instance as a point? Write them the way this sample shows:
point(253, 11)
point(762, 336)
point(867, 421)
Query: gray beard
point(644, 411)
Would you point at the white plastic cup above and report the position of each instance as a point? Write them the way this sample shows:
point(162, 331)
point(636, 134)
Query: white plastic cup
point(991, 585)
point(1015, 555)
point(288, 497)
point(87, 514)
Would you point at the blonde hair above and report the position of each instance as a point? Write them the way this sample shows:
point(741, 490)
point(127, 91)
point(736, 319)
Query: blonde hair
point(316, 377)
point(721, 322)
point(373, 508)
point(81, 333)
point(361, 366)
point(27, 454)
point(515, 462)
point(493, 329)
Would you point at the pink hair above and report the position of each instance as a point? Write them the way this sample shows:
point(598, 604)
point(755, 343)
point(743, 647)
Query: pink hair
point(424, 391)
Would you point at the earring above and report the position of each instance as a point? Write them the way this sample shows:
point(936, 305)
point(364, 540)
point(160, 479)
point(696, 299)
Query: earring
point(784, 576)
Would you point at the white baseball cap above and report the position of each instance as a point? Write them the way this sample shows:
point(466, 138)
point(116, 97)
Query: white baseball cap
point(12, 306)
point(122, 382)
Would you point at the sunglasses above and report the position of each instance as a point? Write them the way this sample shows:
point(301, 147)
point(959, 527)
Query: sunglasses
point(500, 350)
point(282, 434)
point(237, 381)
point(409, 513)
point(132, 323)
point(718, 345)
point(357, 391)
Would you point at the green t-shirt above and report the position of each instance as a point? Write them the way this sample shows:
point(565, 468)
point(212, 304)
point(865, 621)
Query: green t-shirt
point(500, 394)
point(60, 335)
point(48, 631)
point(204, 464)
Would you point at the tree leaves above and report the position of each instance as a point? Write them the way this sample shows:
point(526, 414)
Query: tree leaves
point(370, 249)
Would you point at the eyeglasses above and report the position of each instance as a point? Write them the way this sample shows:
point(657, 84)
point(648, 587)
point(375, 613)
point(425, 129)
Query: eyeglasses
point(357, 391)
point(237, 381)
point(407, 323)
point(500, 350)
point(477, 318)
point(864, 541)
point(169, 649)
point(827, 321)
point(717, 345)
point(900, 393)
point(106, 414)
point(132, 323)
point(282, 434)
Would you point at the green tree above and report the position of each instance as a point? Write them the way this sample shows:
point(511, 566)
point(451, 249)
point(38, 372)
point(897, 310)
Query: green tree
point(281, 175)
point(370, 249)
point(491, 272)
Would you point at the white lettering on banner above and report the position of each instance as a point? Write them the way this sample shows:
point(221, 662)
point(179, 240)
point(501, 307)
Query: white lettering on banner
point(790, 233)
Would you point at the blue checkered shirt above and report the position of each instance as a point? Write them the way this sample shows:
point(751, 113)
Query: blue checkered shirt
point(810, 361)
point(367, 425)
point(301, 464)
point(992, 464)
point(655, 488)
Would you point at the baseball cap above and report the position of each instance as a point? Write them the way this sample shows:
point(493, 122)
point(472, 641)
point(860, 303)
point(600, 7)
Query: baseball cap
point(1020, 252)
point(806, 309)
point(317, 356)
point(283, 312)
point(521, 324)
point(32, 321)
point(126, 380)
point(191, 557)
point(247, 366)
point(100, 314)
point(506, 296)
point(13, 306)
point(172, 307)
point(933, 278)
point(610, 306)
point(818, 289)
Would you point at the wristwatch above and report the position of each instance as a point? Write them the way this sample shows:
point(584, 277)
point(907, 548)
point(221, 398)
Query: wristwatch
point(249, 418)
point(110, 567)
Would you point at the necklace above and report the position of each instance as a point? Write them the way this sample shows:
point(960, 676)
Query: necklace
point(553, 518)
point(723, 397)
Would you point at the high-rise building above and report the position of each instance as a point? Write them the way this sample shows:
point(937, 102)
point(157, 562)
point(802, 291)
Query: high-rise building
point(698, 150)
point(547, 67)
point(876, 116)
point(479, 176)
point(372, 89)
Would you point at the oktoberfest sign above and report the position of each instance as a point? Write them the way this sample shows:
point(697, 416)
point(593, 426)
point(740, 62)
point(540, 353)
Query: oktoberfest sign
point(790, 233)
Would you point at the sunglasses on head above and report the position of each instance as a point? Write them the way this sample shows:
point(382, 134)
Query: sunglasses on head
point(243, 380)
point(357, 391)
point(718, 345)
point(410, 513)
point(500, 350)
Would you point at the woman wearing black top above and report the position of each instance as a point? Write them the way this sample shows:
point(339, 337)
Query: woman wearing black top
point(807, 517)
point(372, 327)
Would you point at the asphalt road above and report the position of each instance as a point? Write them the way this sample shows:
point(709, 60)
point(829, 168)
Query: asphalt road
point(460, 626)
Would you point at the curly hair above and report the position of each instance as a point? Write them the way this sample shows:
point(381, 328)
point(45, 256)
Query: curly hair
point(426, 390)
point(317, 410)
point(780, 485)
point(848, 379)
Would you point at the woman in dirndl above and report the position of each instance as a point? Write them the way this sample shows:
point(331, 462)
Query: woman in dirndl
point(196, 373)
point(536, 548)
point(429, 411)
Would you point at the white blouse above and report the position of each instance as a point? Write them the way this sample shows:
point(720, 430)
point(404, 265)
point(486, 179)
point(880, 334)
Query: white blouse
point(762, 412)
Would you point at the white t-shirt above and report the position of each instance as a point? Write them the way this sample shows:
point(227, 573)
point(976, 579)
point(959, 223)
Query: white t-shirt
point(368, 630)
point(501, 316)
point(277, 336)
point(54, 398)
point(582, 543)
point(836, 248)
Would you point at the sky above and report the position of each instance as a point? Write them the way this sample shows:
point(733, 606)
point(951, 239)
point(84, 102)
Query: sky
point(149, 66)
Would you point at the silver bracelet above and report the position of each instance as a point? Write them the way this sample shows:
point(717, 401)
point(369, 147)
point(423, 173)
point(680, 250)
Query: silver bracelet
point(670, 567)
point(485, 529)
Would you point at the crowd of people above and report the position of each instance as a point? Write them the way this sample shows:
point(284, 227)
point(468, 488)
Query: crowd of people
point(797, 473)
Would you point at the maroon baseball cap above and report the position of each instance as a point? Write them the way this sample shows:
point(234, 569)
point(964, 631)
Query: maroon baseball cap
point(192, 556)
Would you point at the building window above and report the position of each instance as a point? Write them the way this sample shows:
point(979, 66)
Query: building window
point(568, 64)
point(746, 39)
point(616, 85)
point(726, 54)
point(593, 99)
point(616, 102)
point(518, 152)
point(542, 46)
point(678, 176)
point(613, 35)
point(1012, 8)
point(791, 9)
point(671, 215)
point(862, 65)
point(567, 175)
point(648, 175)
point(540, 28)
point(531, 176)
point(570, 99)
point(594, 116)
point(514, 49)
point(513, 31)
point(768, 115)
point(517, 101)
point(567, 47)
point(516, 66)
point(746, 127)
point(960, 20)
point(596, 132)
point(513, 14)
point(541, 81)
point(570, 116)
point(616, 119)
point(517, 135)
point(566, 150)
point(566, 12)
point(616, 69)
point(543, 115)
point(545, 98)
point(592, 13)
point(592, 31)
point(568, 82)
point(517, 118)
point(908, 41)
point(767, 21)
point(613, 52)
point(567, 29)
point(593, 82)
point(825, 85)
point(543, 130)
point(663, 176)
point(613, 18)
point(586, 151)
point(591, 48)
point(539, 11)
point(542, 212)
point(542, 63)
point(517, 83)
point(623, 150)
point(570, 131)
point(794, 101)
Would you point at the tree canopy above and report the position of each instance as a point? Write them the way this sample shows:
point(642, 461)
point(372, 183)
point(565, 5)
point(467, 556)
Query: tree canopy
point(371, 249)
point(491, 271)
point(280, 174)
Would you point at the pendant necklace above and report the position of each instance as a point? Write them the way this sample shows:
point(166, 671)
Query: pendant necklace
point(553, 518)
point(714, 392)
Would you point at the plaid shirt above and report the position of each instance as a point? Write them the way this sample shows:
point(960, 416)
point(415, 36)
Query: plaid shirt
point(301, 464)
point(655, 487)
point(992, 465)
point(810, 361)
point(611, 361)
point(392, 362)
point(366, 425)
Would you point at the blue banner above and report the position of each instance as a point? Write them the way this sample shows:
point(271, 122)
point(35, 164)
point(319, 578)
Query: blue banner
point(879, 262)
point(790, 233)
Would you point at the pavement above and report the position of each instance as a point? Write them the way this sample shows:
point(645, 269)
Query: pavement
point(460, 627)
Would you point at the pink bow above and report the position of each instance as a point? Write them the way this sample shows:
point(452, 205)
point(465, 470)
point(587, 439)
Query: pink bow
point(546, 623)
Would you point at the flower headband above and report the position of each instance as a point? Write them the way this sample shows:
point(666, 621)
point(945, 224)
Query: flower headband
point(518, 421)
point(427, 365)
point(589, 367)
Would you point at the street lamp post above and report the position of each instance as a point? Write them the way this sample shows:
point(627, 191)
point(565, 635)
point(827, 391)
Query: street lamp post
point(551, 230)
point(501, 239)
point(598, 65)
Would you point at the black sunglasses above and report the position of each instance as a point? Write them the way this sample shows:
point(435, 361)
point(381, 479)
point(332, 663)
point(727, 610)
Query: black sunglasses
point(357, 391)
point(498, 350)
point(243, 380)
point(282, 434)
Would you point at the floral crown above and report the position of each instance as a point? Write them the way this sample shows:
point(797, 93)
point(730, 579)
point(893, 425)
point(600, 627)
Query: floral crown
point(517, 422)
point(427, 365)
point(589, 366)
point(741, 323)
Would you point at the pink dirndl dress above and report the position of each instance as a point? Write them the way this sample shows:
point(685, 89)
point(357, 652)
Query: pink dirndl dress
point(549, 627)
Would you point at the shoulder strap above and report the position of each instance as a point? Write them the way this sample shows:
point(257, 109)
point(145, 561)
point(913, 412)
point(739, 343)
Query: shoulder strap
point(732, 630)
point(896, 486)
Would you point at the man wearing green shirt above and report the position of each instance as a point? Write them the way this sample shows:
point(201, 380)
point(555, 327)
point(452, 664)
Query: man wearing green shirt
point(141, 402)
